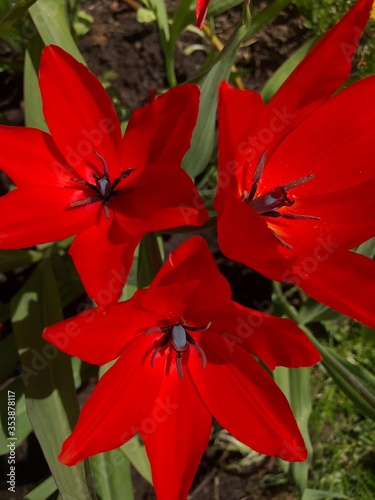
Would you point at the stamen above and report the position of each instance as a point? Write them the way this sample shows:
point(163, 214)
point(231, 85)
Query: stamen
point(198, 328)
point(284, 243)
point(256, 176)
point(179, 365)
point(85, 201)
point(298, 216)
point(260, 167)
point(104, 163)
point(298, 182)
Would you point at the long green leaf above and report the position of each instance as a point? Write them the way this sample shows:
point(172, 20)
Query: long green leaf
point(111, 475)
point(135, 451)
point(33, 103)
point(266, 16)
point(196, 159)
point(51, 20)
point(43, 491)
point(150, 259)
point(295, 383)
point(23, 426)
point(47, 375)
point(282, 73)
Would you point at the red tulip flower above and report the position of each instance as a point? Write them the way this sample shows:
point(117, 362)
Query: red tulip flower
point(84, 178)
point(186, 353)
point(296, 177)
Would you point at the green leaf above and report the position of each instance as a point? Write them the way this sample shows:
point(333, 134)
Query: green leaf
point(282, 73)
point(295, 384)
point(47, 375)
point(150, 258)
point(14, 15)
point(310, 494)
point(112, 475)
point(202, 143)
point(135, 451)
point(51, 20)
point(145, 15)
point(8, 357)
point(313, 311)
point(160, 11)
point(354, 380)
point(367, 248)
point(33, 103)
point(43, 490)
point(11, 259)
point(266, 16)
point(23, 425)
point(217, 7)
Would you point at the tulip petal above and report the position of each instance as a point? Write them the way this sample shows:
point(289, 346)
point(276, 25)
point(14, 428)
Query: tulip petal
point(115, 411)
point(163, 197)
point(41, 214)
point(346, 218)
point(176, 436)
point(335, 150)
point(319, 75)
point(236, 130)
point(79, 113)
point(201, 12)
point(30, 157)
point(249, 404)
point(189, 284)
point(160, 132)
point(244, 236)
point(276, 341)
point(103, 255)
point(342, 280)
point(118, 324)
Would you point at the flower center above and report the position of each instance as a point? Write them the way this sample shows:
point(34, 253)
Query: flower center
point(177, 337)
point(268, 204)
point(103, 188)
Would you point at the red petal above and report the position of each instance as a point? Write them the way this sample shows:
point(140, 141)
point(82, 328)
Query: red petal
point(103, 256)
point(201, 12)
point(30, 157)
point(35, 215)
point(319, 75)
point(346, 218)
point(243, 236)
point(160, 132)
point(118, 324)
point(115, 411)
point(176, 435)
point(189, 285)
point(276, 341)
point(336, 150)
point(249, 404)
point(235, 129)
point(164, 197)
point(79, 112)
point(341, 279)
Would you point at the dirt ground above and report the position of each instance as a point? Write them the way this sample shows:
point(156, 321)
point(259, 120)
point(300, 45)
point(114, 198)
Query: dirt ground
point(118, 43)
